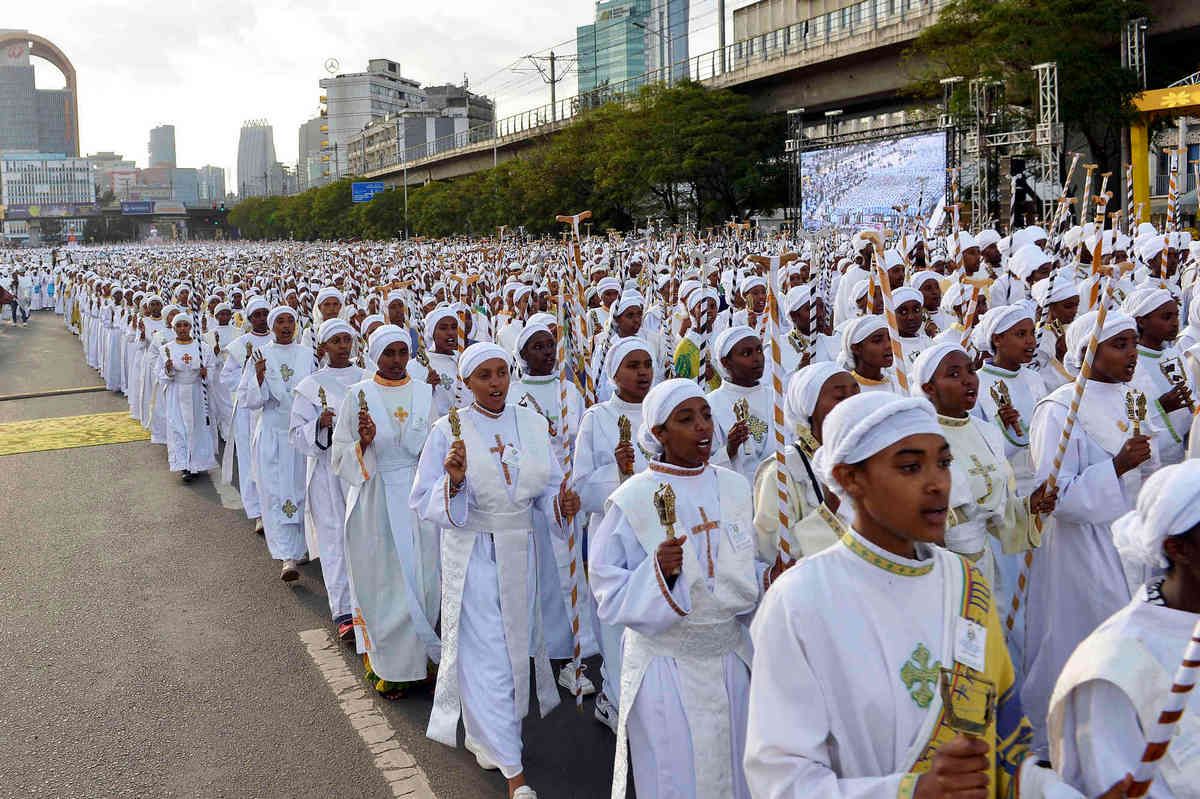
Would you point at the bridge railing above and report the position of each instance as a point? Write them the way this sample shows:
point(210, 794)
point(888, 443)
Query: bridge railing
point(858, 20)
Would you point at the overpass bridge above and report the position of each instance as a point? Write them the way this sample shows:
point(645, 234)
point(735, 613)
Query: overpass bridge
point(843, 59)
point(833, 60)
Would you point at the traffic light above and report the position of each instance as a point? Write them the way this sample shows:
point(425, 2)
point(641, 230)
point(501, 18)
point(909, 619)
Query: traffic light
point(222, 207)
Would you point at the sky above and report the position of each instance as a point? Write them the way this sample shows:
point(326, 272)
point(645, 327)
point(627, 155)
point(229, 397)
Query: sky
point(207, 67)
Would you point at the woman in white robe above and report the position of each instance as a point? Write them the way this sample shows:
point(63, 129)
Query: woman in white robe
point(391, 555)
point(540, 388)
point(483, 498)
point(1077, 580)
point(597, 472)
point(811, 394)
point(278, 468)
point(241, 421)
point(191, 440)
point(685, 669)
point(741, 444)
point(311, 432)
point(1116, 684)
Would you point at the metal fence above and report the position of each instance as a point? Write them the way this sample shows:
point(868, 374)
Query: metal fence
point(859, 20)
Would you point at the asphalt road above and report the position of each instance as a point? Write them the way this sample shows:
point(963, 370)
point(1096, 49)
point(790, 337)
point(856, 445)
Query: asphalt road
point(149, 649)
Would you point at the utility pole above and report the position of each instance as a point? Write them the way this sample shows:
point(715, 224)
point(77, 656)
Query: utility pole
point(721, 32)
point(553, 103)
point(550, 76)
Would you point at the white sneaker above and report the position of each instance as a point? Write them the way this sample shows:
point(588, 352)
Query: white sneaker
point(524, 792)
point(566, 678)
point(483, 760)
point(289, 572)
point(606, 714)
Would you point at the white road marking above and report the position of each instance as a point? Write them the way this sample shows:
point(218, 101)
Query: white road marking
point(404, 776)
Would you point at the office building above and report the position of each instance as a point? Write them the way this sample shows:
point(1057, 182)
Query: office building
point(162, 146)
point(353, 100)
point(112, 173)
point(35, 120)
point(212, 184)
point(613, 48)
point(667, 37)
point(44, 186)
point(309, 167)
point(452, 117)
point(256, 157)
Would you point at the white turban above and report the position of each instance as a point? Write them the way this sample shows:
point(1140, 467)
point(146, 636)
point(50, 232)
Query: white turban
point(922, 277)
point(621, 348)
point(1079, 330)
point(221, 306)
point(1027, 260)
point(627, 300)
point(697, 296)
point(542, 318)
point(382, 337)
point(796, 297)
point(753, 281)
point(331, 327)
point(725, 341)
point(183, 316)
point(375, 318)
point(256, 304)
point(999, 320)
point(863, 425)
point(928, 362)
point(279, 311)
point(658, 405)
point(905, 294)
point(476, 354)
point(803, 391)
point(1146, 300)
point(857, 331)
point(433, 317)
point(523, 339)
point(1064, 288)
point(1168, 504)
point(327, 293)
point(986, 238)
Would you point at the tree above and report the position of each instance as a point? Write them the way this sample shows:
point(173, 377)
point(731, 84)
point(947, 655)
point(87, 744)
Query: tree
point(1004, 39)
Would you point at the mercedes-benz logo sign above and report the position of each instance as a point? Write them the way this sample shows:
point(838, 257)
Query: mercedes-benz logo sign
point(331, 66)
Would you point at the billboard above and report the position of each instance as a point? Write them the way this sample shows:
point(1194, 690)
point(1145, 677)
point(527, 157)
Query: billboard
point(363, 191)
point(52, 210)
point(842, 184)
point(133, 208)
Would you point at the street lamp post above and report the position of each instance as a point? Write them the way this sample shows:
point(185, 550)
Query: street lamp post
point(669, 41)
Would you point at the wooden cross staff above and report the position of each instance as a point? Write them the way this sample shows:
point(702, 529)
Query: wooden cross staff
point(773, 266)
point(977, 285)
point(574, 219)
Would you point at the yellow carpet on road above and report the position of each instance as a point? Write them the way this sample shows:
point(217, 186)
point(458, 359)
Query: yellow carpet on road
point(65, 432)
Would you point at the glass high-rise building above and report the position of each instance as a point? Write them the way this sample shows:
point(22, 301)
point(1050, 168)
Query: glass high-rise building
point(162, 146)
point(256, 159)
point(613, 48)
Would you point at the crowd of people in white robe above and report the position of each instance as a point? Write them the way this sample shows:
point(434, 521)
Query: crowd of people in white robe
point(483, 460)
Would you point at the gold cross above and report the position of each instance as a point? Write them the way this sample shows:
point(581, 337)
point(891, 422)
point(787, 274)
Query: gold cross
point(758, 428)
point(289, 509)
point(285, 372)
point(917, 674)
point(704, 527)
point(360, 622)
point(499, 450)
point(983, 471)
point(400, 415)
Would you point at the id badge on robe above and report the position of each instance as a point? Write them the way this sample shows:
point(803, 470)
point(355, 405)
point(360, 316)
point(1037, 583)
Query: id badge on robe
point(511, 456)
point(741, 541)
point(970, 644)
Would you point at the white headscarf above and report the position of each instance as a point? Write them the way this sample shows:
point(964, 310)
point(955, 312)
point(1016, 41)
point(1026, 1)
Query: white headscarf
point(803, 392)
point(857, 331)
point(928, 362)
point(1146, 300)
point(1000, 319)
point(382, 337)
point(1079, 330)
point(1168, 504)
point(863, 425)
point(279, 311)
point(476, 354)
point(523, 339)
point(658, 405)
point(331, 327)
point(433, 317)
point(620, 348)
